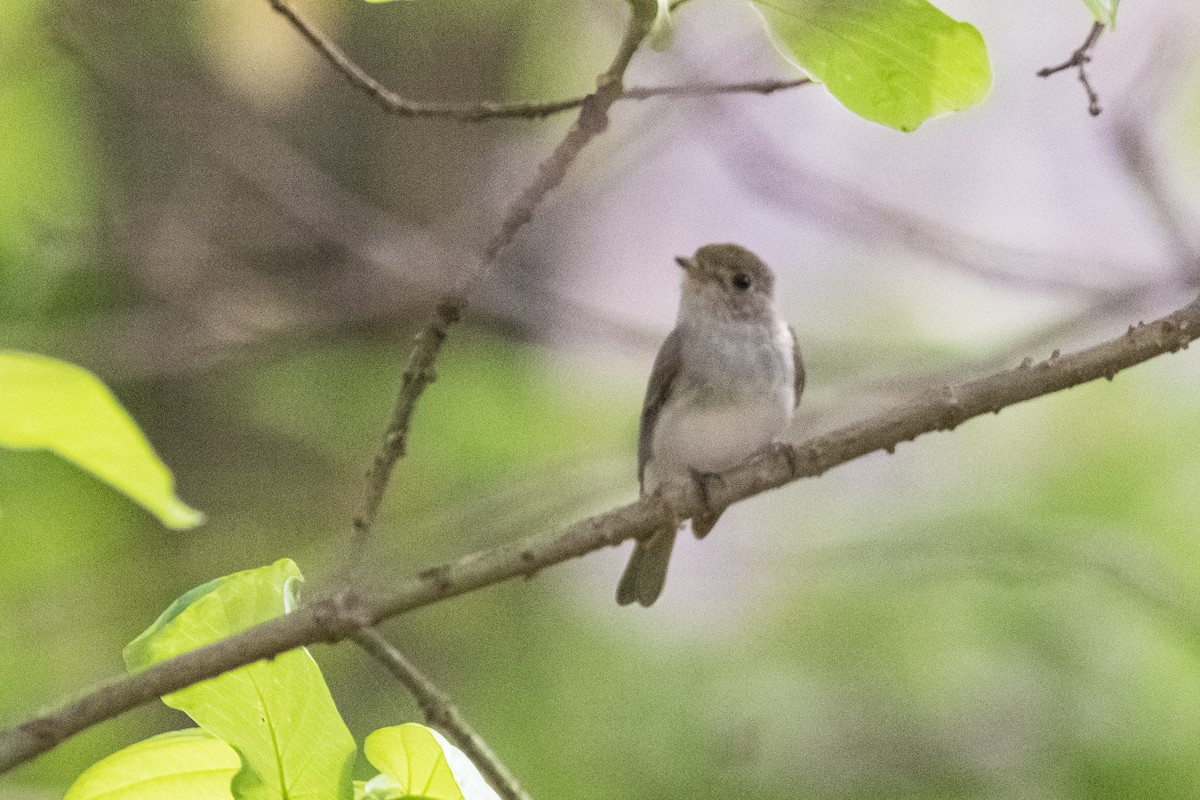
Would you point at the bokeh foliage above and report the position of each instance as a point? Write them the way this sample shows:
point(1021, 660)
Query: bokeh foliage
point(1005, 611)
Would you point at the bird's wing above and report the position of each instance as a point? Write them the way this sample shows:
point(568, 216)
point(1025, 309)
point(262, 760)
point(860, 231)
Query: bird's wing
point(798, 367)
point(666, 367)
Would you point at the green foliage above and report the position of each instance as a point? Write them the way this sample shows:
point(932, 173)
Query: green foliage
point(1103, 10)
point(417, 763)
point(662, 32)
point(277, 714)
point(270, 730)
point(52, 405)
point(916, 671)
point(48, 191)
point(181, 765)
point(895, 62)
point(412, 763)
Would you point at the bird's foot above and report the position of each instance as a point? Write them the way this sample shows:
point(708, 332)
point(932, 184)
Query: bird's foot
point(703, 522)
point(788, 452)
point(701, 480)
point(676, 516)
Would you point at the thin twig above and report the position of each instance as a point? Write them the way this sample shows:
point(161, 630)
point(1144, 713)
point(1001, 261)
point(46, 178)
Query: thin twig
point(591, 122)
point(768, 86)
point(1079, 59)
point(441, 713)
point(337, 617)
point(394, 103)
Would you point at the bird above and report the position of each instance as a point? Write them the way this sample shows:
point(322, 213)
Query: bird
point(725, 383)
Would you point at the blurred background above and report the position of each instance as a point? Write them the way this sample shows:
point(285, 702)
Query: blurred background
point(197, 208)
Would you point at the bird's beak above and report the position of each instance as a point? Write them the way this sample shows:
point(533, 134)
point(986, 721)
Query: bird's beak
point(684, 262)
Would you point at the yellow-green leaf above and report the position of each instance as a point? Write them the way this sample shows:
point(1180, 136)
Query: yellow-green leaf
point(413, 764)
point(277, 714)
point(47, 404)
point(418, 763)
point(1103, 10)
point(183, 765)
point(895, 62)
point(663, 31)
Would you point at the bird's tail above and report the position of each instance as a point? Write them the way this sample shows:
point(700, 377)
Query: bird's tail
point(647, 571)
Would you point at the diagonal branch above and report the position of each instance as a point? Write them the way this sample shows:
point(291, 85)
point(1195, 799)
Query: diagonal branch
point(591, 122)
point(441, 713)
point(394, 103)
point(340, 616)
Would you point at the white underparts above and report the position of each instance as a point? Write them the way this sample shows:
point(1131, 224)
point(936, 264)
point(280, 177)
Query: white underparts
point(732, 397)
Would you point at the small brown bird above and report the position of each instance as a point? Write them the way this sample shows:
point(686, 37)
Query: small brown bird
point(725, 384)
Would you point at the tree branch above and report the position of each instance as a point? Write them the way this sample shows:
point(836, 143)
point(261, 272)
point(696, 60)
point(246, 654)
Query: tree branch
point(591, 122)
point(393, 103)
point(1080, 59)
point(441, 713)
point(768, 86)
point(342, 615)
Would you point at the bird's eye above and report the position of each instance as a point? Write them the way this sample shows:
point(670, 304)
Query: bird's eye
point(741, 281)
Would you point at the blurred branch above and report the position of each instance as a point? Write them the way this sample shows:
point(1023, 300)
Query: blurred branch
point(591, 122)
point(1131, 140)
point(343, 614)
point(441, 713)
point(1039, 554)
point(359, 263)
point(1079, 59)
point(477, 112)
point(752, 160)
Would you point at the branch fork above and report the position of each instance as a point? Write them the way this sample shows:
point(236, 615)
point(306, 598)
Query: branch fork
point(1079, 60)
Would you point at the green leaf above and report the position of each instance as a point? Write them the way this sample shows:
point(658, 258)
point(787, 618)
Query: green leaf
point(895, 62)
point(1103, 10)
point(663, 30)
point(278, 714)
point(413, 762)
point(418, 762)
point(52, 405)
point(183, 765)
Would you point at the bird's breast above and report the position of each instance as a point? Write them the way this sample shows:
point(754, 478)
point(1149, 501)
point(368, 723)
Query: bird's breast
point(733, 395)
point(737, 361)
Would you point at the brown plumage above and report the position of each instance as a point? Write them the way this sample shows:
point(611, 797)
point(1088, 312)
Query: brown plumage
point(728, 354)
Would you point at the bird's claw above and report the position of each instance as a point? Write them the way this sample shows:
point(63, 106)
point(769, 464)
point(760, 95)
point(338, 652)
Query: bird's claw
point(701, 480)
point(788, 452)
